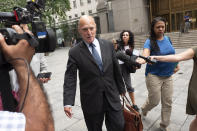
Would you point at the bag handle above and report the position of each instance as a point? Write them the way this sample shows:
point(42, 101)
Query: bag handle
point(124, 103)
point(128, 106)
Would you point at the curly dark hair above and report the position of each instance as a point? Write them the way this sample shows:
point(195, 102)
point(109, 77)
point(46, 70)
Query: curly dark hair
point(131, 39)
point(153, 42)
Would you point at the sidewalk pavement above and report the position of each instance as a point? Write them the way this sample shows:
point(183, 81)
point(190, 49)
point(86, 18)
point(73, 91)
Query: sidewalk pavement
point(54, 88)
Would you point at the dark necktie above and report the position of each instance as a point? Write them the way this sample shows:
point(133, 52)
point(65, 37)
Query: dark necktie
point(96, 57)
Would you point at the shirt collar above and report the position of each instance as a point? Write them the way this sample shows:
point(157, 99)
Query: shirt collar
point(95, 42)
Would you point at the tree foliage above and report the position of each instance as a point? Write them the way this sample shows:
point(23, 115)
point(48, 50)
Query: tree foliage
point(66, 32)
point(7, 6)
point(53, 8)
point(56, 9)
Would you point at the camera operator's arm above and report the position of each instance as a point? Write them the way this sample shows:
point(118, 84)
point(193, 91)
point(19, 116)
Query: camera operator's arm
point(36, 108)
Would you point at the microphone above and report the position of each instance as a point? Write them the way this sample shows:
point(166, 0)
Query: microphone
point(147, 59)
point(129, 52)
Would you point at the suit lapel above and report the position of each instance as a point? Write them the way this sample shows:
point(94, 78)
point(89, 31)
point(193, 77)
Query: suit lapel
point(86, 52)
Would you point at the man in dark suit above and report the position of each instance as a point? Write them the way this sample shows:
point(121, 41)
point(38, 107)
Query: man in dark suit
point(100, 80)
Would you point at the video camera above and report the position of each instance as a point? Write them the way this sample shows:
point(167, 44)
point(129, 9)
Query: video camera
point(44, 39)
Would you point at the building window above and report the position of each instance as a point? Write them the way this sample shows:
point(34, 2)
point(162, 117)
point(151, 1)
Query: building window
point(82, 13)
point(89, 1)
point(74, 4)
point(76, 15)
point(90, 11)
point(81, 2)
point(70, 17)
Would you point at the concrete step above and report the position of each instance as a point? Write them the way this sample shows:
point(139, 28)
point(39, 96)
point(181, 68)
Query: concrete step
point(179, 40)
point(175, 45)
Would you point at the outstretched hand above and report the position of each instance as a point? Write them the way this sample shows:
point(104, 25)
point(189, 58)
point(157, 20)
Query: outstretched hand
point(140, 61)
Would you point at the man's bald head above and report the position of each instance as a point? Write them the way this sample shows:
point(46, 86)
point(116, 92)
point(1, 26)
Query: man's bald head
point(86, 19)
point(87, 28)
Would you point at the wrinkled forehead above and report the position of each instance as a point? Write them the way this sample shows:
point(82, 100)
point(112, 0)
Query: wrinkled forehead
point(87, 26)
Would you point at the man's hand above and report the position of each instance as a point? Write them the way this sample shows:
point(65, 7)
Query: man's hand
point(68, 111)
point(123, 94)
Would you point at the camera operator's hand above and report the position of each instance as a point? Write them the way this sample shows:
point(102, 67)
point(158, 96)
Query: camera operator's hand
point(25, 28)
point(21, 50)
point(33, 103)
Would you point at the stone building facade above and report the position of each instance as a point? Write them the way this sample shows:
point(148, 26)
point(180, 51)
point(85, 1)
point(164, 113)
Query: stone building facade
point(173, 11)
point(116, 15)
point(81, 7)
point(113, 16)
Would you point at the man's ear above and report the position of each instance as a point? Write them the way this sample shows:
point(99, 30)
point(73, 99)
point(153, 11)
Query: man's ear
point(79, 31)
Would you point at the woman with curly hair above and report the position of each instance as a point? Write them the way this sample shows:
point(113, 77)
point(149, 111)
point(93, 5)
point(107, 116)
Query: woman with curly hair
point(159, 81)
point(127, 43)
